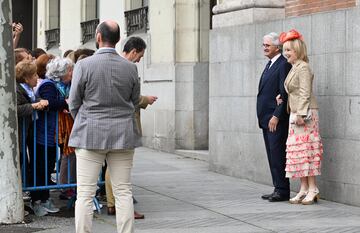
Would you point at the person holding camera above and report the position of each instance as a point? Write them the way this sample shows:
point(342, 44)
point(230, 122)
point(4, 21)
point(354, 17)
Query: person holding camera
point(17, 29)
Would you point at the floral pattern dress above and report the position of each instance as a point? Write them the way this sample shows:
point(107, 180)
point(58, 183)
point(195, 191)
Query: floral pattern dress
point(304, 148)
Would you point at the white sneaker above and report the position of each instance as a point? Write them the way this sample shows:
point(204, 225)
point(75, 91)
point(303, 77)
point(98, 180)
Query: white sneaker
point(38, 209)
point(26, 196)
point(49, 206)
point(53, 177)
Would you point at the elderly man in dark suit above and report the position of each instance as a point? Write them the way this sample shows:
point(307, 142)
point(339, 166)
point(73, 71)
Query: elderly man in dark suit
point(273, 119)
point(105, 90)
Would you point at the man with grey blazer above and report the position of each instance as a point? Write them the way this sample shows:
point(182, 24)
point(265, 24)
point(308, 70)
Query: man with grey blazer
point(104, 92)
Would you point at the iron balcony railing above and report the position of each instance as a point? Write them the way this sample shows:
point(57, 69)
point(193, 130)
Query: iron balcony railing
point(52, 38)
point(136, 20)
point(88, 29)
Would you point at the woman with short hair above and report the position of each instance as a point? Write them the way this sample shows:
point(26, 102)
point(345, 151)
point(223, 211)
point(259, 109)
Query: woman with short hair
point(57, 78)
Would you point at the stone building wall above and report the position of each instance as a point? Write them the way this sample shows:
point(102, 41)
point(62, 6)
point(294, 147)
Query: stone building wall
point(236, 145)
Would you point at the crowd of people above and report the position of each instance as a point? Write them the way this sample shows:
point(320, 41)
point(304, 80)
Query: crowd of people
point(43, 85)
point(94, 98)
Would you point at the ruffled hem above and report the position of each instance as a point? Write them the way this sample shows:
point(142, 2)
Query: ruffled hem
point(304, 146)
point(299, 174)
point(316, 165)
point(304, 160)
point(305, 137)
point(294, 155)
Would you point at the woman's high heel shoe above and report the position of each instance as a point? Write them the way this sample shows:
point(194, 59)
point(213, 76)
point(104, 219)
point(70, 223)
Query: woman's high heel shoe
point(299, 197)
point(311, 197)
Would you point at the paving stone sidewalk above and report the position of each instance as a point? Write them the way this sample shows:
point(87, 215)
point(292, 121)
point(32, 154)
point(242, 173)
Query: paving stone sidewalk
point(179, 195)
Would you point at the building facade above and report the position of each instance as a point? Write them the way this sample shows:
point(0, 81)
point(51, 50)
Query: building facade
point(175, 66)
point(204, 62)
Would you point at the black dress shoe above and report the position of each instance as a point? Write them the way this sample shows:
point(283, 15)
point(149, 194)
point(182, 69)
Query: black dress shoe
point(267, 196)
point(277, 197)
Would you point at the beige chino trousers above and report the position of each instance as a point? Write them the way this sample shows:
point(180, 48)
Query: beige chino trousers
point(110, 200)
point(88, 166)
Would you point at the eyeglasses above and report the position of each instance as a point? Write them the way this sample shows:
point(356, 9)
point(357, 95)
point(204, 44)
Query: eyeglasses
point(267, 45)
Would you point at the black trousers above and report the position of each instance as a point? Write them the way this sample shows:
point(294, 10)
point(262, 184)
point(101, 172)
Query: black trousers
point(42, 195)
point(275, 143)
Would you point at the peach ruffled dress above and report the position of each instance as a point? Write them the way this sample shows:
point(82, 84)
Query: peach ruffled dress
point(304, 148)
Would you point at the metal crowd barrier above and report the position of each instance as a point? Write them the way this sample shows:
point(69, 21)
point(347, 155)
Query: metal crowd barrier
point(47, 186)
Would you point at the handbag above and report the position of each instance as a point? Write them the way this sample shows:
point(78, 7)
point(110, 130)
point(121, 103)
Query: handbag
point(307, 118)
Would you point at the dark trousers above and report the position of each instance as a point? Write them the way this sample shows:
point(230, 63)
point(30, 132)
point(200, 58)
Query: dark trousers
point(28, 140)
point(42, 195)
point(275, 144)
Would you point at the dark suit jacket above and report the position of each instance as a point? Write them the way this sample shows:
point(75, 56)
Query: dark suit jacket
point(271, 84)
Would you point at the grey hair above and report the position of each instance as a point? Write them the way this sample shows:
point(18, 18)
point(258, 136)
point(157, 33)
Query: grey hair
point(274, 37)
point(58, 67)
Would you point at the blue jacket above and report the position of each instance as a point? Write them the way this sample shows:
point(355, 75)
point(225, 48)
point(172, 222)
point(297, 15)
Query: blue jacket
point(48, 91)
point(271, 84)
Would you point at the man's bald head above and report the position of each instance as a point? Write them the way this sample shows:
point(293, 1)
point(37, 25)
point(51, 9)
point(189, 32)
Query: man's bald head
point(110, 33)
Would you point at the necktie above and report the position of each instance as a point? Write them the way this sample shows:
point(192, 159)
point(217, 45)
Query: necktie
point(265, 70)
point(267, 66)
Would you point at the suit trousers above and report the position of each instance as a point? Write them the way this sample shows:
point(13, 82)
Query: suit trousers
point(88, 167)
point(275, 143)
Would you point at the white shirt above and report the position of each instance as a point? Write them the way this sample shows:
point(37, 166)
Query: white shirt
point(273, 60)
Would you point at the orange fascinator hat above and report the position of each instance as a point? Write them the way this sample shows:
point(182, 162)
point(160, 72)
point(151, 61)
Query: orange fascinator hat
point(291, 35)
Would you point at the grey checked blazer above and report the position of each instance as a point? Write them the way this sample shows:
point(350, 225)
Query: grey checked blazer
point(104, 92)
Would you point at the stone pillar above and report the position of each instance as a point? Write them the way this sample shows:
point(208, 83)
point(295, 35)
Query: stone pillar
point(192, 74)
point(238, 12)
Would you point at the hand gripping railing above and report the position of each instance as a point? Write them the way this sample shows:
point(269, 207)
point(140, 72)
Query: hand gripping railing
point(32, 186)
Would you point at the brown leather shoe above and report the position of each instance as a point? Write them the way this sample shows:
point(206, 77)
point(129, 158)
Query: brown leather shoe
point(111, 210)
point(138, 215)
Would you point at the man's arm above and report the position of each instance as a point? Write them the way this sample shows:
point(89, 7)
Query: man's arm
point(145, 100)
point(135, 95)
point(280, 110)
point(76, 91)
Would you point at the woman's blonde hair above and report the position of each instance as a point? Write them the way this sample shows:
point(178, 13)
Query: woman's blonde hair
point(299, 47)
point(24, 70)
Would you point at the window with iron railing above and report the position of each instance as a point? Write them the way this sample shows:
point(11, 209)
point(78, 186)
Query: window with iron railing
point(88, 29)
point(136, 20)
point(52, 38)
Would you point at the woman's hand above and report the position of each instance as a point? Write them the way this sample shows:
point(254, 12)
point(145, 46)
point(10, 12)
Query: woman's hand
point(279, 100)
point(44, 103)
point(300, 121)
point(40, 105)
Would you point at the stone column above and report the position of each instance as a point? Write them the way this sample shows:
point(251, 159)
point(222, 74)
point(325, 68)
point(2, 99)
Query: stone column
point(238, 12)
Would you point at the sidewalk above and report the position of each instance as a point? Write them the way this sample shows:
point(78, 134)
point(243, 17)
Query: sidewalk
point(180, 195)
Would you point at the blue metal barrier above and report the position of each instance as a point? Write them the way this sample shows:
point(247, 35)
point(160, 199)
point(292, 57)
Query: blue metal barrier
point(47, 186)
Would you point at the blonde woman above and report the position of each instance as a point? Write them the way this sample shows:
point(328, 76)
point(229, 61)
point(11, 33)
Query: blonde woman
point(304, 148)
